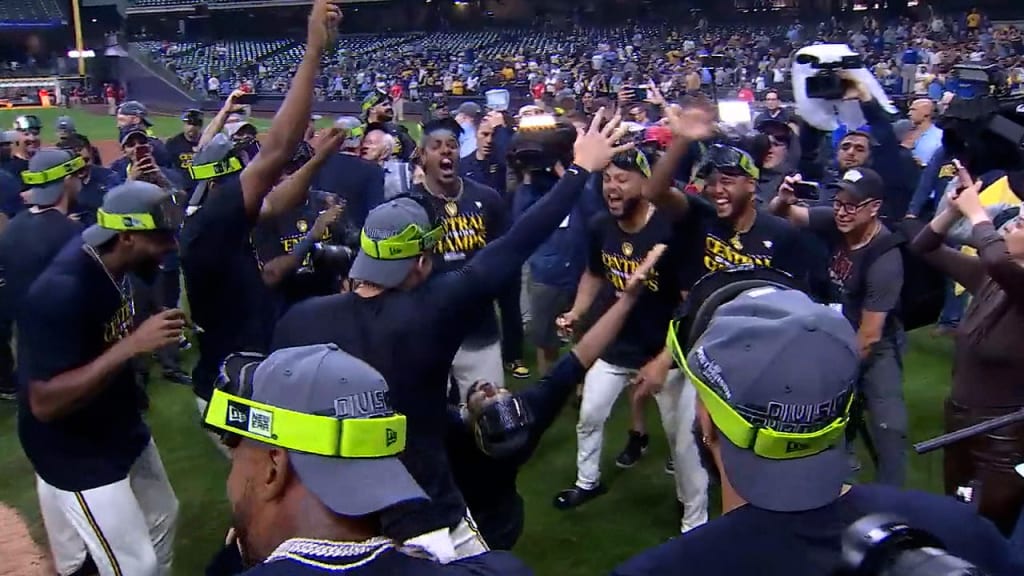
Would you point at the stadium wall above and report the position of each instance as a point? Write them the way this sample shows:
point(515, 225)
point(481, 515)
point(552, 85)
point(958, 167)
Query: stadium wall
point(142, 84)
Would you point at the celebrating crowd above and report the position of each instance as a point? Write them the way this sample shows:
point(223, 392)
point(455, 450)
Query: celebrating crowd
point(357, 299)
point(907, 57)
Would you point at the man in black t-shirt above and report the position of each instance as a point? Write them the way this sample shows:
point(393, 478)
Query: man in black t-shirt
point(30, 241)
point(618, 241)
point(230, 305)
point(284, 247)
point(472, 216)
point(79, 417)
point(182, 146)
point(773, 361)
point(866, 285)
point(358, 183)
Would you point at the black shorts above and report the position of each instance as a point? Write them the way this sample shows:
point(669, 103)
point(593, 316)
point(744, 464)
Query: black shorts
point(547, 303)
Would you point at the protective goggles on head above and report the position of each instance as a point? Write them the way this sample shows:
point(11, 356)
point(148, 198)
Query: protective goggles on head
point(412, 241)
point(61, 171)
point(727, 160)
point(234, 415)
point(167, 216)
point(229, 165)
point(763, 441)
point(633, 161)
point(503, 427)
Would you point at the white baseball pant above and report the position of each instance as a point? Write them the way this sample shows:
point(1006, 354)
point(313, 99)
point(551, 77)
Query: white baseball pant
point(676, 403)
point(66, 546)
point(463, 541)
point(128, 527)
point(473, 364)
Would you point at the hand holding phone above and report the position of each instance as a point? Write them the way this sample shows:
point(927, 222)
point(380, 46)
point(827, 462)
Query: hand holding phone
point(805, 190)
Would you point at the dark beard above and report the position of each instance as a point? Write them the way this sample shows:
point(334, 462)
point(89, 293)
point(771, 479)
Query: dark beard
point(629, 208)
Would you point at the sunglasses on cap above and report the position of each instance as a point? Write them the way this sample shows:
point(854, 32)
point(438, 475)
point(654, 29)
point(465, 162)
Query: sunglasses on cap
point(728, 160)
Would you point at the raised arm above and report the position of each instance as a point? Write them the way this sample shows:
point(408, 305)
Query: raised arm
point(785, 203)
point(289, 124)
point(929, 243)
point(689, 125)
point(295, 189)
point(217, 124)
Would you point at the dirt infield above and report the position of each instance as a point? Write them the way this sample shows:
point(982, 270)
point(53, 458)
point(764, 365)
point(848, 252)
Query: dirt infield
point(109, 150)
point(20, 555)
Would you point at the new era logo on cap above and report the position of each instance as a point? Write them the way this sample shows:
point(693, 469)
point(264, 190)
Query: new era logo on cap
point(248, 419)
point(391, 436)
point(853, 175)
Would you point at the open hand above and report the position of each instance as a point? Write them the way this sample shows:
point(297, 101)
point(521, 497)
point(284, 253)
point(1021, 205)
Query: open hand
point(692, 123)
point(328, 142)
point(595, 149)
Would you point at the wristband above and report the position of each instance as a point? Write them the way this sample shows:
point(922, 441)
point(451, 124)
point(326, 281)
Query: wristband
point(304, 246)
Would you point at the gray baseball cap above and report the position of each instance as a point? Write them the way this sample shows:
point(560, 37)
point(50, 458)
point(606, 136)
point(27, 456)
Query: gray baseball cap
point(135, 108)
point(387, 221)
point(355, 134)
point(787, 364)
point(49, 193)
point(66, 123)
point(324, 380)
point(124, 204)
point(218, 148)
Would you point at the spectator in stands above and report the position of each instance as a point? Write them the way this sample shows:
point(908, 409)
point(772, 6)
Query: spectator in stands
point(784, 512)
point(773, 109)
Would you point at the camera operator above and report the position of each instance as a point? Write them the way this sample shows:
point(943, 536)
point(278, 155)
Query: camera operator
point(297, 510)
point(866, 282)
point(227, 297)
point(986, 381)
point(472, 216)
point(496, 431)
point(780, 159)
point(775, 373)
point(409, 324)
point(879, 150)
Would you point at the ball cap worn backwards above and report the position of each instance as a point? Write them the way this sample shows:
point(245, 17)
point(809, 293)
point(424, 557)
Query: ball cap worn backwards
point(786, 363)
point(317, 379)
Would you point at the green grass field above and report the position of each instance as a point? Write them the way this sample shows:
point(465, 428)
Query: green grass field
point(638, 512)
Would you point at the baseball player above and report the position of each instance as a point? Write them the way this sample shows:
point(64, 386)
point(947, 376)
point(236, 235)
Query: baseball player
point(79, 420)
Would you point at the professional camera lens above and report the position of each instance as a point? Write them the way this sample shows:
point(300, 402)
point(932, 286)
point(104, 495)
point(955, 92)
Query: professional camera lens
point(882, 545)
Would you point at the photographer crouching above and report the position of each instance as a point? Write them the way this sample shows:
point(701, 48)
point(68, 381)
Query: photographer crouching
point(496, 431)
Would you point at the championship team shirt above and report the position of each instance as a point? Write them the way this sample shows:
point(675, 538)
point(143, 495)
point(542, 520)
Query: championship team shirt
point(181, 151)
point(770, 243)
point(471, 220)
point(71, 316)
point(614, 255)
point(279, 237)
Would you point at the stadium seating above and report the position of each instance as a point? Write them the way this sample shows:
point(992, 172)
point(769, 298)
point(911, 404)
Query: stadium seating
point(31, 11)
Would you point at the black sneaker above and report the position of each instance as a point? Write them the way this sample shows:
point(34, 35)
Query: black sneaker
point(576, 496)
point(635, 448)
point(8, 394)
point(670, 467)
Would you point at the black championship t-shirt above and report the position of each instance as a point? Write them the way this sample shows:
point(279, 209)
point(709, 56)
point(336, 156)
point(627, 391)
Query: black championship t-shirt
point(71, 316)
point(357, 182)
point(614, 255)
point(770, 243)
point(27, 246)
point(227, 297)
point(15, 166)
point(854, 286)
point(473, 219)
point(278, 237)
point(181, 151)
point(374, 561)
